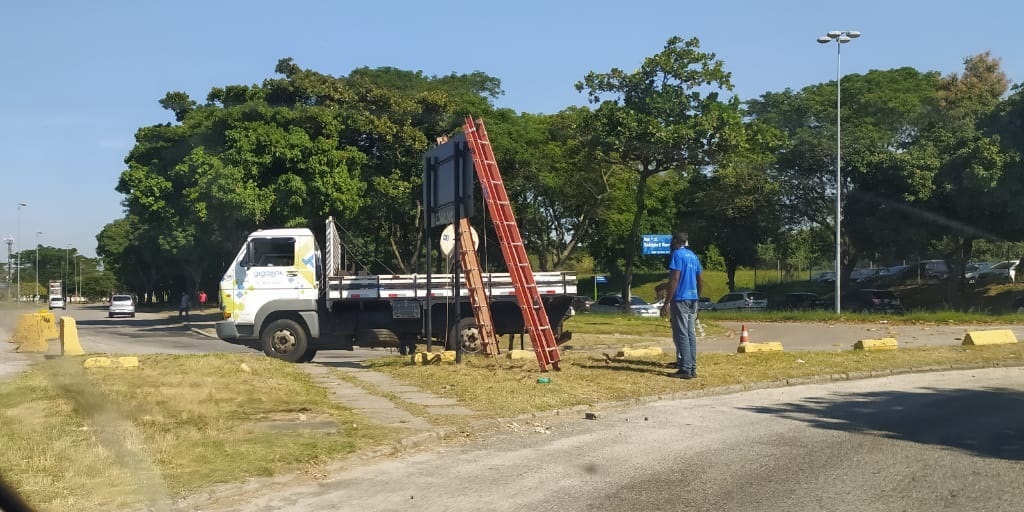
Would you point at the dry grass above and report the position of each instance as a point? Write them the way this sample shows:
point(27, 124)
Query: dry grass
point(503, 388)
point(100, 439)
point(112, 438)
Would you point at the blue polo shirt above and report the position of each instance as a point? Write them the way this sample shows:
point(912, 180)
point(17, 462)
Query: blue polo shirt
point(688, 265)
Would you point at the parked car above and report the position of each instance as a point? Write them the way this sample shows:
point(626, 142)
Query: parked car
point(802, 301)
point(754, 301)
point(637, 306)
point(859, 275)
point(1002, 272)
point(582, 303)
point(1018, 305)
point(971, 270)
point(824, 277)
point(58, 302)
point(121, 305)
point(933, 269)
point(873, 301)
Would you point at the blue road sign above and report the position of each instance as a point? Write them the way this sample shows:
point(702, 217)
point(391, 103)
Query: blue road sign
point(600, 280)
point(656, 244)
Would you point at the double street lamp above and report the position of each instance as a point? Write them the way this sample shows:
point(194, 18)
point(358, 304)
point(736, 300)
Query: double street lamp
point(840, 37)
point(19, 248)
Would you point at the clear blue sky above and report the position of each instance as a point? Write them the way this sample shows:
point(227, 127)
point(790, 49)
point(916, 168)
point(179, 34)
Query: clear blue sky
point(82, 77)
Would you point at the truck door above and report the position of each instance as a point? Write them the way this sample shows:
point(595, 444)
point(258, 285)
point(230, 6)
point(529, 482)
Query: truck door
point(273, 268)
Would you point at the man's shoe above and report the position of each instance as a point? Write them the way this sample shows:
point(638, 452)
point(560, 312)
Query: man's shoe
point(681, 375)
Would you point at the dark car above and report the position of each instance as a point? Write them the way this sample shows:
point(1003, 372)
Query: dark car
point(582, 303)
point(874, 301)
point(803, 301)
point(1018, 305)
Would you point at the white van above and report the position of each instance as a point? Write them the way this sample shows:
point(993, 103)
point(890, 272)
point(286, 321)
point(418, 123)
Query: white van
point(57, 302)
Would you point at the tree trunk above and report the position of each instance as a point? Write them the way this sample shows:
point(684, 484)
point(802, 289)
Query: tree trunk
point(634, 236)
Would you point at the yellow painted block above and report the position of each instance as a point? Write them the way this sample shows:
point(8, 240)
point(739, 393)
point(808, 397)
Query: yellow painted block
point(69, 345)
point(127, 362)
point(640, 353)
point(876, 344)
point(98, 362)
point(521, 354)
point(108, 362)
point(991, 337)
point(767, 346)
point(448, 356)
point(28, 330)
point(49, 324)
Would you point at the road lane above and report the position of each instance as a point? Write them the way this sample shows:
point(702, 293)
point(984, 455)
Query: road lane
point(922, 442)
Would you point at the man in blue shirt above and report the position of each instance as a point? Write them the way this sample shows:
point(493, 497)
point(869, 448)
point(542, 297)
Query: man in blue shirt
point(685, 284)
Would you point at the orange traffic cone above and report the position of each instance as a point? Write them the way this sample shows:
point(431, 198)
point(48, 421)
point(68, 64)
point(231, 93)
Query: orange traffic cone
point(744, 335)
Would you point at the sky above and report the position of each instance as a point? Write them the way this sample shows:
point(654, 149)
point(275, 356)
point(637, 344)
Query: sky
point(82, 77)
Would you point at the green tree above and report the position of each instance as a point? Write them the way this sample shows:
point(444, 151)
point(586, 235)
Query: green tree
point(737, 204)
point(667, 116)
point(885, 171)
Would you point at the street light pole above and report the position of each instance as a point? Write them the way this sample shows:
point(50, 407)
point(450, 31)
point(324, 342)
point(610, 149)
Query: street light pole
point(18, 240)
point(36, 294)
point(67, 285)
point(840, 37)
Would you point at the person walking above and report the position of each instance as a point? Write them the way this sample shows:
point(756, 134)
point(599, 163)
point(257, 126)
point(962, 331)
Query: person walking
point(202, 300)
point(685, 284)
point(184, 306)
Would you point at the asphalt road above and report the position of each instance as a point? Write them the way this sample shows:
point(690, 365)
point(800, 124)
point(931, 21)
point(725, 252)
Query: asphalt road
point(940, 441)
point(926, 442)
point(148, 333)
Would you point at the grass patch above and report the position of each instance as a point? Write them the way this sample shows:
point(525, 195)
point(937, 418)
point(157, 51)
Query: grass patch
point(503, 388)
point(499, 387)
point(101, 439)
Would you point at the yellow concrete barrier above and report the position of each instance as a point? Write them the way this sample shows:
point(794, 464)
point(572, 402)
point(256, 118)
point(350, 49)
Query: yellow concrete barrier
point(992, 337)
point(49, 324)
point(69, 345)
point(876, 344)
point(640, 353)
point(521, 354)
point(423, 358)
point(767, 346)
point(30, 335)
point(111, 362)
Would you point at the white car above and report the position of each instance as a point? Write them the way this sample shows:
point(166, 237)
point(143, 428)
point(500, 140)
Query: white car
point(752, 301)
point(121, 305)
point(57, 302)
point(637, 306)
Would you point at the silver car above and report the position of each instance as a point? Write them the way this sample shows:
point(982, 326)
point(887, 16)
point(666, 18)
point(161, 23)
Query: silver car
point(637, 306)
point(748, 301)
point(121, 305)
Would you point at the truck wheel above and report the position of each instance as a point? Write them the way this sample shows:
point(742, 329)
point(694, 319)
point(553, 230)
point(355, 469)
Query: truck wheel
point(466, 333)
point(286, 340)
point(376, 338)
point(307, 356)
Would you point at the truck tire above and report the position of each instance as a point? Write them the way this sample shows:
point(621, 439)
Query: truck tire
point(285, 339)
point(376, 338)
point(466, 333)
point(307, 356)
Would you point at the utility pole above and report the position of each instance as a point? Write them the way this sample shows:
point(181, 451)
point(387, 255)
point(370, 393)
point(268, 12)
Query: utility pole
point(9, 240)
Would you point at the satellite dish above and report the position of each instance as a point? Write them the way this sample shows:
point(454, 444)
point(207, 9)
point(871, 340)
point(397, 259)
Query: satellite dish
point(448, 239)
